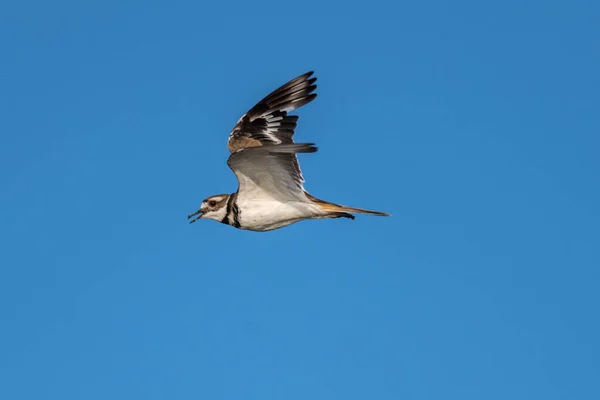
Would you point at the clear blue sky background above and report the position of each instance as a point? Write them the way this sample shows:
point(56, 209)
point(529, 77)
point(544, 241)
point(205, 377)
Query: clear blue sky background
point(476, 125)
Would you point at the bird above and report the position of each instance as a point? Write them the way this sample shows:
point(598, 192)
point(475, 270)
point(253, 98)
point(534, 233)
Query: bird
point(263, 157)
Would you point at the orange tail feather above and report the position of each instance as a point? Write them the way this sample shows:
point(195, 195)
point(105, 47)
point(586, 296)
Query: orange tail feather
point(336, 208)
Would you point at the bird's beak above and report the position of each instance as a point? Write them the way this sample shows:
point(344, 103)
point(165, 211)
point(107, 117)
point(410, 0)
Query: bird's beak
point(199, 214)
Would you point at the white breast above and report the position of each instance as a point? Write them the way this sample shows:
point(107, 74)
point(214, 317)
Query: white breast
point(268, 214)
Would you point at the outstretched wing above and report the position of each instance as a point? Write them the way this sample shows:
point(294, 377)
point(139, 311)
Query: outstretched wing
point(268, 122)
point(270, 171)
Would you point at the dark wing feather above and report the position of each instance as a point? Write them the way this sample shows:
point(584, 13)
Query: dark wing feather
point(268, 122)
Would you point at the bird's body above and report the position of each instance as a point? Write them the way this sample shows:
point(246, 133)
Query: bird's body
point(263, 157)
point(268, 214)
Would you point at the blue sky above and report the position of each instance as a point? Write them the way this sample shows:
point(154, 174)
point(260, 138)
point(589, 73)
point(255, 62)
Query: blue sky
point(476, 125)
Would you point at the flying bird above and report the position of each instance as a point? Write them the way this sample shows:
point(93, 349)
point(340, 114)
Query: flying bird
point(271, 193)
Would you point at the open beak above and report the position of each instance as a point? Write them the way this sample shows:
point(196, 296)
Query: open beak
point(199, 214)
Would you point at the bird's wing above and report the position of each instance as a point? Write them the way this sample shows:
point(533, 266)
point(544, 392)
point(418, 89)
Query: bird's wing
point(270, 171)
point(268, 122)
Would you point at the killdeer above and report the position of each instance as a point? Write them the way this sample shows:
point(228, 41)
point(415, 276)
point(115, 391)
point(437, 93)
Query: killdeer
point(263, 157)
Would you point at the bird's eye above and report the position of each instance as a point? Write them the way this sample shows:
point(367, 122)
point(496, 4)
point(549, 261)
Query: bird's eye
point(212, 203)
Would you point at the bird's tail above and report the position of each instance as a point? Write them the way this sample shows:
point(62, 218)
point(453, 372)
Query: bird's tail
point(338, 211)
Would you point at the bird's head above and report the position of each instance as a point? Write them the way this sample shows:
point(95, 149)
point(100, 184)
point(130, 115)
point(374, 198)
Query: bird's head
point(214, 207)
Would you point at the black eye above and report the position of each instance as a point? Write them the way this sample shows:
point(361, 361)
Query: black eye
point(212, 203)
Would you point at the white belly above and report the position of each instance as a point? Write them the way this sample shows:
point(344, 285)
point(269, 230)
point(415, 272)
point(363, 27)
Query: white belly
point(271, 214)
